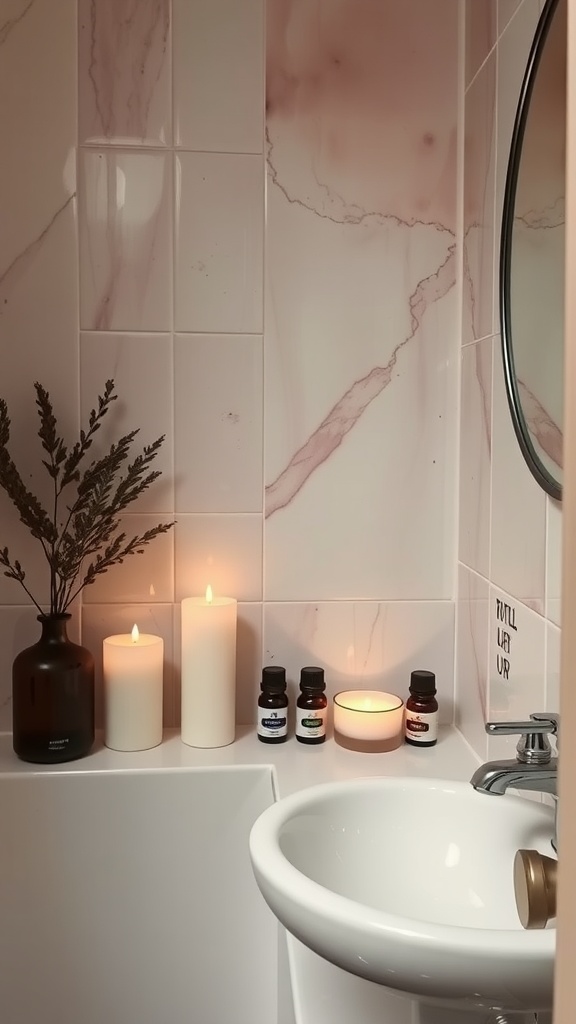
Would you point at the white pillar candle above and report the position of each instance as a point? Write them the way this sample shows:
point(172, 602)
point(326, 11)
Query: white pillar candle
point(368, 720)
point(133, 676)
point(209, 670)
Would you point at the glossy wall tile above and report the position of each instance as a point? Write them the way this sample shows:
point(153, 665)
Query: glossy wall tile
point(218, 422)
point(125, 231)
point(141, 367)
point(124, 73)
point(219, 243)
point(219, 75)
point(360, 308)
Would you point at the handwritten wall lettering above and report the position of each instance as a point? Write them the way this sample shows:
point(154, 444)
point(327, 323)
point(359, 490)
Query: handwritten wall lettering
point(505, 617)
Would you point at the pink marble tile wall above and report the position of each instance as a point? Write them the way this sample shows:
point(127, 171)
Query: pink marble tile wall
point(295, 340)
point(360, 305)
point(509, 530)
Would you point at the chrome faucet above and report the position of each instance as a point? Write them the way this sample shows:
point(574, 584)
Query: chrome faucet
point(534, 768)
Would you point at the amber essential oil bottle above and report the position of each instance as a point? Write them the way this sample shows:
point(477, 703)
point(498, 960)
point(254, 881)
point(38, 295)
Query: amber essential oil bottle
point(311, 706)
point(273, 705)
point(421, 715)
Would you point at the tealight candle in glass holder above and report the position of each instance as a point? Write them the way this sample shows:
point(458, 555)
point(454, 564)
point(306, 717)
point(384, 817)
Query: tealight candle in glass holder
point(368, 720)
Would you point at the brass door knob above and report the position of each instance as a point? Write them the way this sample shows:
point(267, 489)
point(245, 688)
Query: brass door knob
point(535, 888)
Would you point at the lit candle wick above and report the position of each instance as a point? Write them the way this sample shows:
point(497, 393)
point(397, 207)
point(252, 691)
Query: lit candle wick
point(135, 634)
point(209, 596)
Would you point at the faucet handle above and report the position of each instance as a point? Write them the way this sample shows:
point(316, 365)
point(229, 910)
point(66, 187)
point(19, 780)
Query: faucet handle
point(533, 746)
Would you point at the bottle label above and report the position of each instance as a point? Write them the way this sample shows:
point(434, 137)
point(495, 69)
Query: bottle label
point(421, 728)
point(310, 722)
point(272, 723)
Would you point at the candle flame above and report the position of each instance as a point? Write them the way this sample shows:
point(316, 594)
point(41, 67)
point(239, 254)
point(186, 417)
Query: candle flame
point(135, 634)
point(209, 595)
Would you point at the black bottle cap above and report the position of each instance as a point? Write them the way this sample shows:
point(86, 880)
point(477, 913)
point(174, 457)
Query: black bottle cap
point(312, 678)
point(423, 683)
point(273, 678)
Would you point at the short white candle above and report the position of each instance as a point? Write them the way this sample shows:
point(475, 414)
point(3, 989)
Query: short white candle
point(133, 675)
point(209, 670)
point(369, 717)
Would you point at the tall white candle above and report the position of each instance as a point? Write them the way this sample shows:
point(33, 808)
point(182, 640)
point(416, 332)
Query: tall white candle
point(133, 674)
point(209, 670)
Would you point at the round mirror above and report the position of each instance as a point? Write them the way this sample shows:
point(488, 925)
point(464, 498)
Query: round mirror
point(532, 254)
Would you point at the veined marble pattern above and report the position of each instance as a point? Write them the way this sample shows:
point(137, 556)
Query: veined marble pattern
point(125, 228)
point(361, 267)
point(124, 72)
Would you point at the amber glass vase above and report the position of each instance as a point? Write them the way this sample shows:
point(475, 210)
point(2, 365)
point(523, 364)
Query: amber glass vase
point(53, 697)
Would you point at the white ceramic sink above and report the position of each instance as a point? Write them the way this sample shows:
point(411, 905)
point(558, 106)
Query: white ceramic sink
point(408, 882)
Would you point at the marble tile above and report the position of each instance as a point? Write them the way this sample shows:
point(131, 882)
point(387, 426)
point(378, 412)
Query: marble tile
point(218, 423)
point(219, 75)
point(390, 530)
point(475, 455)
point(141, 578)
point(506, 9)
point(102, 620)
point(479, 182)
point(125, 240)
point(481, 31)
point(516, 667)
point(553, 636)
point(365, 644)
point(553, 560)
point(141, 367)
point(219, 243)
point(518, 510)
point(512, 55)
point(361, 274)
point(124, 86)
point(471, 675)
point(222, 550)
point(38, 249)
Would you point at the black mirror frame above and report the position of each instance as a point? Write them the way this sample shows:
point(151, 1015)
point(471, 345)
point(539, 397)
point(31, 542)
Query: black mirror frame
point(535, 464)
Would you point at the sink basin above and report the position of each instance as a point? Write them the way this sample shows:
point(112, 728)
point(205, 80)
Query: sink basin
point(409, 883)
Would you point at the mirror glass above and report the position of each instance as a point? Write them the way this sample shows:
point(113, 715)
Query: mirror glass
point(532, 254)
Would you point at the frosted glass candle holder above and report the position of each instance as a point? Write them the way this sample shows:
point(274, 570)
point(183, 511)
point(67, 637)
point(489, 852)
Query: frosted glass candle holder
point(368, 720)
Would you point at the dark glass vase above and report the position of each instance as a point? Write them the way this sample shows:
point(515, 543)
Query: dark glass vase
point(53, 697)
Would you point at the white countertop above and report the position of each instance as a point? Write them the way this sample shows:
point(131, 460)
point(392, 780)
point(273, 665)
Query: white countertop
point(294, 765)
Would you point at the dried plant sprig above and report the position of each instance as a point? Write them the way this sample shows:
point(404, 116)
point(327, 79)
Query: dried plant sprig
point(91, 521)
